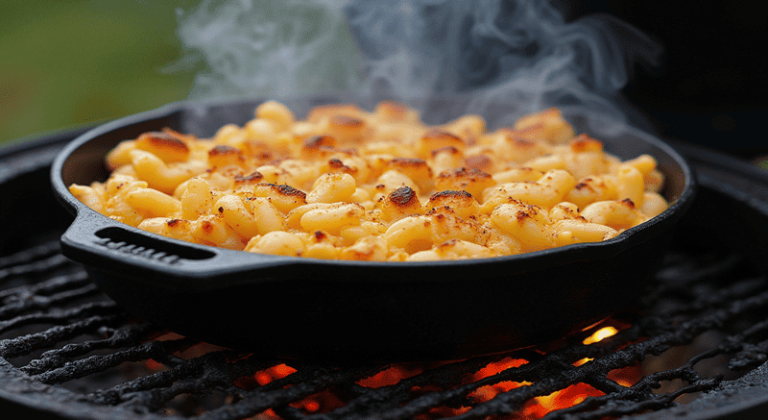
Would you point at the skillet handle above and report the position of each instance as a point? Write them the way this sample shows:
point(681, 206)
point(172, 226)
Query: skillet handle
point(105, 244)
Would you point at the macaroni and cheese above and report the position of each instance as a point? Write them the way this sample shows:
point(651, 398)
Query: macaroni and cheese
point(377, 186)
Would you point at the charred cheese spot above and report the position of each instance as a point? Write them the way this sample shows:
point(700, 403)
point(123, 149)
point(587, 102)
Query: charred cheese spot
point(584, 185)
point(447, 149)
point(583, 143)
point(207, 226)
point(315, 142)
point(461, 202)
point(474, 181)
point(165, 145)
point(284, 197)
point(399, 203)
point(223, 150)
point(289, 191)
point(403, 196)
point(253, 178)
point(402, 163)
point(342, 121)
point(175, 222)
point(223, 155)
point(164, 140)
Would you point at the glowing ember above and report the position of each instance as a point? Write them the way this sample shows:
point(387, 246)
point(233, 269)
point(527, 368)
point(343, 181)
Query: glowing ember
point(582, 361)
point(319, 403)
point(268, 414)
point(274, 373)
point(154, 365)
point(497, 367)
point(573, 395)
point(600, 335)
point(487, 392)
point(534, 409)
point(312, 406)
point(390, 376)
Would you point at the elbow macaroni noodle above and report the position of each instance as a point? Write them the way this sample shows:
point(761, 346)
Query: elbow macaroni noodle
point(377, 186)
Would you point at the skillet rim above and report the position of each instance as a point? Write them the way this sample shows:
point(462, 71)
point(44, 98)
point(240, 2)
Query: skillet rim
point(239, 262)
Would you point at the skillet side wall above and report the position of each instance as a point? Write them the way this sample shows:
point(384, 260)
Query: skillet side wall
point(363, 314)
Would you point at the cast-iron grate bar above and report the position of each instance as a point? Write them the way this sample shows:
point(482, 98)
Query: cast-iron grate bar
point(27, 344)
point(95, 364)
point(370, 400)
point(699, 306)
point(46, 287)
point(27, 255)
point(38, 302)
point(609, 407)
point(193, 375)
point(129, 335)
point(61, 317)
point(33, 268)
point(304, 383)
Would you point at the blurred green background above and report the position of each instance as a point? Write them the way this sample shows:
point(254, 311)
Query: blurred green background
point(67, 63)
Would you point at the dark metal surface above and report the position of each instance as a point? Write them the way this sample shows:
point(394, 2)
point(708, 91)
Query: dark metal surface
point(403, 311)
point(55, 327)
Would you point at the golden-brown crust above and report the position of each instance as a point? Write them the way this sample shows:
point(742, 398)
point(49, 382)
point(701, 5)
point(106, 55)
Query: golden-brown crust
point(463, 173)
point(450, 195)
point(176, 222)
point(253, 178)
point(168, 145)
point(164, 139)
point(474, 181)
point(379, 186)
point(407, 163)
point(440, 138)
point(583, 143)
point(446, 149)
point(284, 190)
point(315, 142)
point(223, 150)
point(343, 121)
point(628, 203)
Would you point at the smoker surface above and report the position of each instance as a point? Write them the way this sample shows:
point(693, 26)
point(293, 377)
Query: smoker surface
point(67, 349)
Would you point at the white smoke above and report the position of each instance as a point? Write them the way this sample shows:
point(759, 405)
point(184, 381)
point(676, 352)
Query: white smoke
point(269, 48)
point(522, 54)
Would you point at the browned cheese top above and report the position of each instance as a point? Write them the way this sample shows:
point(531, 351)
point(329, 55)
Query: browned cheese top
point(346, 183)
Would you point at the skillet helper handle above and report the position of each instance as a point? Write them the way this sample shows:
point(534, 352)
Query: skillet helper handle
point(107, 244)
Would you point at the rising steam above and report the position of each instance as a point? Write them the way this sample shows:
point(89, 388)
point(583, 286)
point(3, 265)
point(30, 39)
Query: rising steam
point(270, 47)
point(521, 53)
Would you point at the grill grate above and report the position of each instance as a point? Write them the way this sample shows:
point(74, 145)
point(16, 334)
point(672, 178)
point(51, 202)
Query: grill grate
point(693, 294)
point(67, 348)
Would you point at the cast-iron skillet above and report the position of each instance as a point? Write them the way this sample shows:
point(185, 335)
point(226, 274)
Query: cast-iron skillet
point(309, 308)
